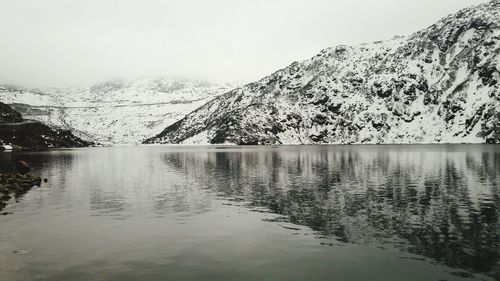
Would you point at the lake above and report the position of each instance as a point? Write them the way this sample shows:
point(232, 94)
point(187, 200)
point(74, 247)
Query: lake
point(375, 212)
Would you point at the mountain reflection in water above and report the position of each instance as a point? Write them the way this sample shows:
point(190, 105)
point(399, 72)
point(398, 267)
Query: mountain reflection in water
point(442, 204)
point(390, 212)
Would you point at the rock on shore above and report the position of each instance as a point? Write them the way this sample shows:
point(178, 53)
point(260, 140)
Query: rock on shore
point(14, 185)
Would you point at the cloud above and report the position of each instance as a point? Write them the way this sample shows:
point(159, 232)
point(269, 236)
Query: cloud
point(62, 42)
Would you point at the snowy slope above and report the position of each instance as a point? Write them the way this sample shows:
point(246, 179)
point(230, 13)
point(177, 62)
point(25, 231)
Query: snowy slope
point(117, 111)
point(439, 85)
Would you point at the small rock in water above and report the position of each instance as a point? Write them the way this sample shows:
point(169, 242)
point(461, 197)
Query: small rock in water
point(462, 274)
point(20, 251)
point(23, 167)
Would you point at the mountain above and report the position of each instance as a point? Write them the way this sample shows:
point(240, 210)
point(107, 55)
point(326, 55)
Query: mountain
point(438, 85)
point(19, 133)
point(116, 111)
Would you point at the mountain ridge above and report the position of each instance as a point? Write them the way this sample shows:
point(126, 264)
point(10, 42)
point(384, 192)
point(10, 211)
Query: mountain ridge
point(438, 85)
point(113, 111)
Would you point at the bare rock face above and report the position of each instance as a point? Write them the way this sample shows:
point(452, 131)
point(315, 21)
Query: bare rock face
point(9, 115)
point(439, 85)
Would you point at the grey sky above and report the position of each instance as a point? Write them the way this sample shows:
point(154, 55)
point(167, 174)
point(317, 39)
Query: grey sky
point(64, 42)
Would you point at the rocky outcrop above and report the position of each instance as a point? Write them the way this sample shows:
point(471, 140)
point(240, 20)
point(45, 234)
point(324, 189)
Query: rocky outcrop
point(14, 185)
point(439, 85)
point(9, 115)
point(19, 133)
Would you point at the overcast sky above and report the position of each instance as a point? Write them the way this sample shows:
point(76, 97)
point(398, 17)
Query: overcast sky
point(65, 43)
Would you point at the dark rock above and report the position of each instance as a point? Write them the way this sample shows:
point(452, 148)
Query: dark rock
point(381, 90)
point(455, 108)
point(9, 115)
point(321, 100)
point(320, 119)
point(431, 97)
point(335, 108)
point(23, 167)
point(377, 125)
point(471, 122)
point(356, 81)
point(486, 74)
point(319, 137)
point(490, 128)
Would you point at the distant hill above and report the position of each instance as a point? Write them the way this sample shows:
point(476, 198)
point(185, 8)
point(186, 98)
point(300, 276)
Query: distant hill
point(116, 111)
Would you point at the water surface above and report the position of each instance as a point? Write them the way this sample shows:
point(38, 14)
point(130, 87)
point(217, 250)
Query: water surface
point(403, 212)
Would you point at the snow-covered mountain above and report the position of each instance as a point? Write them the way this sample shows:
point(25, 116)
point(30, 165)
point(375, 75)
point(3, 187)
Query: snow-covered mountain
point(117, 111)
point(439, 85)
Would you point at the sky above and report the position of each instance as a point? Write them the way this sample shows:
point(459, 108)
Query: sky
point(61, 43)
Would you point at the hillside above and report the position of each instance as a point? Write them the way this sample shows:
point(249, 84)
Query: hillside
point(438, 85)
point(19, 133)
